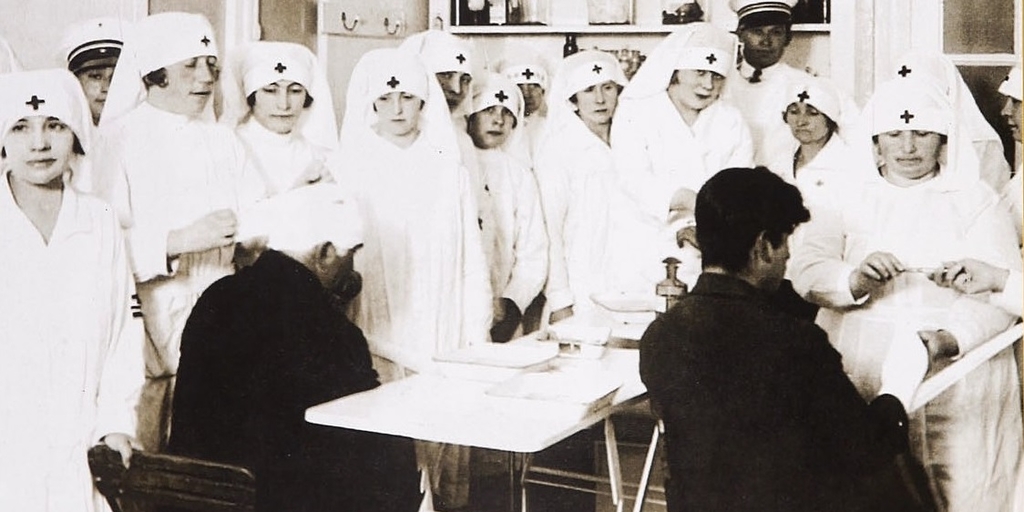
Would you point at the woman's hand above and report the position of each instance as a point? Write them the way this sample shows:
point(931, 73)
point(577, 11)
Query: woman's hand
point(215, 229)
point(877, 269)
point(316, 172)
point(970, 276)
point(121, 443)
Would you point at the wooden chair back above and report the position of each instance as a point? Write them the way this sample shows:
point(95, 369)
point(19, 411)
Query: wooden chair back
point(171, 481)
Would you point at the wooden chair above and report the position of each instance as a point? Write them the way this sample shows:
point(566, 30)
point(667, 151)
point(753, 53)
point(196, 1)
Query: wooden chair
point(180, 483)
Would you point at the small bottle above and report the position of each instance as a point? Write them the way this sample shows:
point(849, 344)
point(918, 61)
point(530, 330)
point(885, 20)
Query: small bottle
point(570, 45)
point(671, 287)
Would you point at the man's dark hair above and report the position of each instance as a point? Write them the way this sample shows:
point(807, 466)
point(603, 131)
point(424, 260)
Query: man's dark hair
point(251, 100)
point(736, 205)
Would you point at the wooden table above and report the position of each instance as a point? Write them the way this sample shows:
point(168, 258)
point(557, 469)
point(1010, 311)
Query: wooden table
point(453, 407)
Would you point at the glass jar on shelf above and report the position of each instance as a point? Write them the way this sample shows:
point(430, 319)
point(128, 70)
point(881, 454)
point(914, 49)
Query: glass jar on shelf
point(610, 12)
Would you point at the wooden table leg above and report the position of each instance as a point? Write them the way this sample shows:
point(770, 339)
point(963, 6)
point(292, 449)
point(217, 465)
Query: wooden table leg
point(645, 476)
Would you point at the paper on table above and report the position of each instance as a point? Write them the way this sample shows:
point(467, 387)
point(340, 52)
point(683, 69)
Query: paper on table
point(501, 355)
point(575, 387)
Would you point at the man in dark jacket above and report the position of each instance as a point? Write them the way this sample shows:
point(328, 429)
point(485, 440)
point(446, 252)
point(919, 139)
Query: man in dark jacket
point(758, 413)
point(263, 345)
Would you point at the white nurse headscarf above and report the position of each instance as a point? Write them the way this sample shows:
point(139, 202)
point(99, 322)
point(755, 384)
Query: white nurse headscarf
point(152, 43)
point(1011, 85)
point(938, 69)
point(8, 62)
point(700, 46)
point(48, 92)
point(918, 105)
point(575, 73)
point(493, 89)
point(442, 52)
point(385, 70)
point(258, 64)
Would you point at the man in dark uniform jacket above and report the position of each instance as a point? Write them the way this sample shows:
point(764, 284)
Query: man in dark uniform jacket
point(263, 345)
point(758, 413)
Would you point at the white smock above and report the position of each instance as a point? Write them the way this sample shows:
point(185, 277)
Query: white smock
point(514, 239)
point(969, 438)
point(71, 365)
point(280, 159)
point(577, 182)
point(425, 283)
point(656, 153)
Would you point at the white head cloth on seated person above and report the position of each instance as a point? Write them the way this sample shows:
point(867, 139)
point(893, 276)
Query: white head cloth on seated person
point(822, 94)
point(302, 218)
point(154, 42)
point(51, 93)
point(261, 63)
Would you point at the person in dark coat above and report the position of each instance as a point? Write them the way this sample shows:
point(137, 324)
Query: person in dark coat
point(263, 345)
point(758, 413)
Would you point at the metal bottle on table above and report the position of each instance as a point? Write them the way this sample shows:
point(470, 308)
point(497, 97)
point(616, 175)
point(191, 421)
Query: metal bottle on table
point(671, 288)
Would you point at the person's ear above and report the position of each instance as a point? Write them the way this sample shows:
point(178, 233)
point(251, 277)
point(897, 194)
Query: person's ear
point(323, 254)
point(879, 160)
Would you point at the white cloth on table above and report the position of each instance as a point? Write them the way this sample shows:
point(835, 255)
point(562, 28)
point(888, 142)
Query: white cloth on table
point(71, 363)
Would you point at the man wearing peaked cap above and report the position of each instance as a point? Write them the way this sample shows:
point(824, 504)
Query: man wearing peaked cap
point(91, 49)
point(761, 81)
point(176, 180)
point(264, 344)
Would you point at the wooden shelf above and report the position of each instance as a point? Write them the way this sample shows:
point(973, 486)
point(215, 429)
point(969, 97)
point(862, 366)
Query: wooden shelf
point(508, 30)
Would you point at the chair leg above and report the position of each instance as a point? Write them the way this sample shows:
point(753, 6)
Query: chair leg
point(614, 468)
point(645, 476)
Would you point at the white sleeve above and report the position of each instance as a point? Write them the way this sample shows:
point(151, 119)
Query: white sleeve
point(122, 373)
point(530, 246)
point(631, 150)
point(555, 188)
point(819, 271)
point(1010, 299)
point(972, 319)
point(743, 152)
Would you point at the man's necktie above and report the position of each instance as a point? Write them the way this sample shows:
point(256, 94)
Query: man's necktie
point(755, 77)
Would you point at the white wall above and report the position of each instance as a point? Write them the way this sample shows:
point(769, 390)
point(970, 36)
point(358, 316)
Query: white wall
point(35, 27)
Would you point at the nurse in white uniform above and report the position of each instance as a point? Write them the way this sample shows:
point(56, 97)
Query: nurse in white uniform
point(577, 181)
point(919, 203)
point(515, 242)
point(670, 134)
point(817, 159)
point(71, 366)
point(278, 101)
point(176, 180)
point(425, 281)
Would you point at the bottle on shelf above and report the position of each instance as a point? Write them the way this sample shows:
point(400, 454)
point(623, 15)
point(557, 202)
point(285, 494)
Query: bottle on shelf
point(471, 12)
point(671, 288)
point(570, 45)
